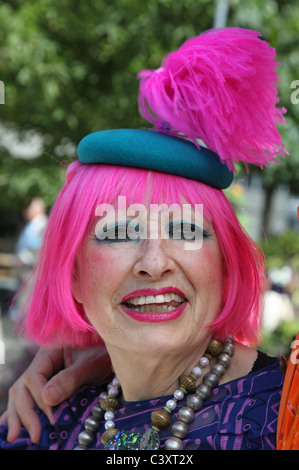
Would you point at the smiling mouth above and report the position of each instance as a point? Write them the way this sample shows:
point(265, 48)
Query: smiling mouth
point(161, 303)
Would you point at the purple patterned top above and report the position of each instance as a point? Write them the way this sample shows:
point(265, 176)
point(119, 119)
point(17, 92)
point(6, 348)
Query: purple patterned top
point(241, 414)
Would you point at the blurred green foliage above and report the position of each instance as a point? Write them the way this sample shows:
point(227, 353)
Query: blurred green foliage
point(282, 250)
point(279, 341)
point(69, 68)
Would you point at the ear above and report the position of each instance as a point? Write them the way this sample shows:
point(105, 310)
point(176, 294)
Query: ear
point(76, 284)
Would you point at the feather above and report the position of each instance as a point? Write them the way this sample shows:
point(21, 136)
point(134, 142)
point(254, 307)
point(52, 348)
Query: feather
point(220, 88)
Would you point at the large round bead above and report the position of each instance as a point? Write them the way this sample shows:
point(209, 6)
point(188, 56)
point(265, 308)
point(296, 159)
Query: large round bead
point(224, 359)
point(174, 443)
point(97, 411)
point(161, 419)
point(179, 429)
point(85, 438)
point(186, 414)
point(215, 347)
point(218, 369)
point(188, 383)
point(91, 424)
point(229, 349)
point(204, 391)
point(195, 402)
point(210, 379)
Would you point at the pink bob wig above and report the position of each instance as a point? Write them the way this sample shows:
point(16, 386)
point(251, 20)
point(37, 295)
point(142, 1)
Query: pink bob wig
point(51, 316)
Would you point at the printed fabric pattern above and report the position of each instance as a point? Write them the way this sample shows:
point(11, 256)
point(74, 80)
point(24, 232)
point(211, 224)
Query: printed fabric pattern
point(240, 415)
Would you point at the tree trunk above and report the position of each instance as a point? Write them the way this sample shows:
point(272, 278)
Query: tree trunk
point(269, 190)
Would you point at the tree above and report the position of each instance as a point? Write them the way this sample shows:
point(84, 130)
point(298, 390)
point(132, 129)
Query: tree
point(69, 68)
point(278, 21)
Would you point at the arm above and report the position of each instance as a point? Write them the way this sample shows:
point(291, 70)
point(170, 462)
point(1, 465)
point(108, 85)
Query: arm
point(52, 377)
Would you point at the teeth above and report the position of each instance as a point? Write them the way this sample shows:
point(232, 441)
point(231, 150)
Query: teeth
point(155, 299)
point(155, 303)
point(153, 308)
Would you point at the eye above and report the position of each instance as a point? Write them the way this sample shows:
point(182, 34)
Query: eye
point(119, 232)
point(183, 230)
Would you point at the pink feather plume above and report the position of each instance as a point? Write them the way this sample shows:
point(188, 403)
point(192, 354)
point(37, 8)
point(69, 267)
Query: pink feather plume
point(219, 87)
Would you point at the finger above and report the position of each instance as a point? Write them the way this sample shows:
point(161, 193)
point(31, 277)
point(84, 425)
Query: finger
point(36, 392)
point(13, 424)
point(46, 363)
point(28, 418)
point(3, 418)
point(63, 385)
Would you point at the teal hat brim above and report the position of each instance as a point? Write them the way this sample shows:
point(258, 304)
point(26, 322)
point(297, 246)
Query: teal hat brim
point(152, 150)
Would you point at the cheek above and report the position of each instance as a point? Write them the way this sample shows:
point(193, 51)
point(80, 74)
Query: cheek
point(102, 272)
point(207, 272)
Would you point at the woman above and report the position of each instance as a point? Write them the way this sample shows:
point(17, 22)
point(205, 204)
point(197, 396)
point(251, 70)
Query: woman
point(144, 254)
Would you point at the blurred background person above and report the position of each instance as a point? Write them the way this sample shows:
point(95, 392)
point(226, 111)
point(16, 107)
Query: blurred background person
point(27, 249)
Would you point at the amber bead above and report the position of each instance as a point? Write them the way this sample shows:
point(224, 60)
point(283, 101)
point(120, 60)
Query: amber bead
point(188, 383)
point(161, 419)
point(215, 347)
point(110, 404)
point(107, 435)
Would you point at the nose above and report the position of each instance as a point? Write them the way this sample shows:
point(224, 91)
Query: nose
point(154, 262)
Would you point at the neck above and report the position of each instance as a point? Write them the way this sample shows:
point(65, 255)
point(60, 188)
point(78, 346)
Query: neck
point(145, 376)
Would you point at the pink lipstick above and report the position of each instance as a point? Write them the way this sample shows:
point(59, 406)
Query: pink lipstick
point(154, 317)
point(164, 290)
point(145, 306)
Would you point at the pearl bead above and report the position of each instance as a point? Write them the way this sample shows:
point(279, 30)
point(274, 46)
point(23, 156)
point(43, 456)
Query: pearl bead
point(171, 404)
point(179, 429)
point(115, 382)
point(174, 443)
point(103, 395)
point(109, 415)
point(178, 394)
point(186, 414)
point(197, 371)
point(112, 391)
point(109, 424)
point(204, 361)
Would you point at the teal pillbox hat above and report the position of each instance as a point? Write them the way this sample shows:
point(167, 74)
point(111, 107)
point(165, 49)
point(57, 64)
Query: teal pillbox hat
point(156, 151)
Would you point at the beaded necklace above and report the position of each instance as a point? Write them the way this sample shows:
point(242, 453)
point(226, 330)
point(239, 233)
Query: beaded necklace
point(114, 439)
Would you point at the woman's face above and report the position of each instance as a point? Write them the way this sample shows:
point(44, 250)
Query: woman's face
point(152, 294)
